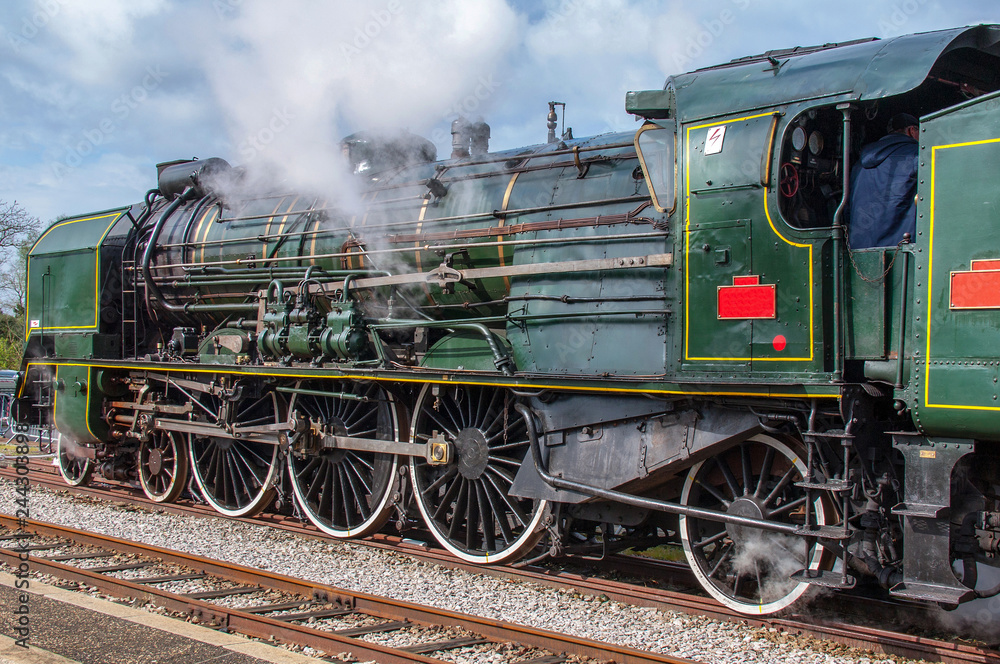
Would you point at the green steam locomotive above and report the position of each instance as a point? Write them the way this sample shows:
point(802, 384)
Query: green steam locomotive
point(631, 340)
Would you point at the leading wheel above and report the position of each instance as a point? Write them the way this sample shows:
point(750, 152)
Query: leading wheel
point(467, 502)
point(345, 493)
point(163, 466)
point(74, 468)
point(236, 475)
point(746, 568)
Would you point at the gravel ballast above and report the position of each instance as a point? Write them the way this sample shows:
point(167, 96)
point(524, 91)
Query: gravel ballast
point(360, 568)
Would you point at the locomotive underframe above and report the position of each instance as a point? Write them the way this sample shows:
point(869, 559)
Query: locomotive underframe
point(655, 440)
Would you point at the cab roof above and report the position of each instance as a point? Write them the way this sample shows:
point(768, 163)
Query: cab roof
point(849, 71)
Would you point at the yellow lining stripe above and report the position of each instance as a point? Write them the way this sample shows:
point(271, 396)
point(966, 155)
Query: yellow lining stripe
point(395, 379)
point(503, 207)
point(97, 276)
point(930, 278)
point(687, 252)
point(420, 267)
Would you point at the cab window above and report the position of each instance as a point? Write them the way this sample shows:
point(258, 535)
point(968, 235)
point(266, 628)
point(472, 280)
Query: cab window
point(655, 146)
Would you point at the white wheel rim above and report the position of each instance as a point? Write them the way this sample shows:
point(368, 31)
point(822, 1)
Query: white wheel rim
point(514, 551)
point(264, 494)
point(88, 467)
point(797, 590)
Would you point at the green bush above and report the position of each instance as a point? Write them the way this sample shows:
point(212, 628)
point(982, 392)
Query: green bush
point(10, 351)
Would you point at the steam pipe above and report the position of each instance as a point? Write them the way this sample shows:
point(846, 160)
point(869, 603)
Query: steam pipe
point(838, 239)
point(645, 503)
point(500, 359)
point(147, 257)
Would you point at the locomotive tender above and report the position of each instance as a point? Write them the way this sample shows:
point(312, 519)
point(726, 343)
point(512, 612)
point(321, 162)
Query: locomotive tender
point(625, 340)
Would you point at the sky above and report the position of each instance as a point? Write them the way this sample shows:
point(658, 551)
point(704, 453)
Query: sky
point(94, 93)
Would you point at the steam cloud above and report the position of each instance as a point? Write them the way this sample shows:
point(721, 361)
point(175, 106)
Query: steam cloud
point(291, 82)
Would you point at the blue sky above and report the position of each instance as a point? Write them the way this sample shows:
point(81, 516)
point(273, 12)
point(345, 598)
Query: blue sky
point(94, 93)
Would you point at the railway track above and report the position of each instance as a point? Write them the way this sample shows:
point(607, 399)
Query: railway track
point(832, 626)
point(328, 619)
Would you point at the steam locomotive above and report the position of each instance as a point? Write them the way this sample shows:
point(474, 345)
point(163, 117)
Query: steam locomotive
point(630, 340)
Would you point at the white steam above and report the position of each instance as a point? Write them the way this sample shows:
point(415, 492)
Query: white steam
point(770, 559)
point(291, 82)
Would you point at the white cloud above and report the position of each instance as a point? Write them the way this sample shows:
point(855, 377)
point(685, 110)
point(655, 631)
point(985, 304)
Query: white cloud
point(98, 34)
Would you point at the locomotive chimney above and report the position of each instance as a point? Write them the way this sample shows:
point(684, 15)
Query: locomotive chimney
point(460, 138)
point(480, 138)
point(552, 122)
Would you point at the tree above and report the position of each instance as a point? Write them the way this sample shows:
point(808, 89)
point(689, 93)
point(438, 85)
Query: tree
point(15, 224)
point(18, 231)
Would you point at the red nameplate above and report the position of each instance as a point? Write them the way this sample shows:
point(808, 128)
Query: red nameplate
point(746, 298)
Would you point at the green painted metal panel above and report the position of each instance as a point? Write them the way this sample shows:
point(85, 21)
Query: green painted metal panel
point(957, 327)
point(717, 251)
point(463, 350)
point(64, 275)
point(864, 325)
point(733, 231)
point(78, 405)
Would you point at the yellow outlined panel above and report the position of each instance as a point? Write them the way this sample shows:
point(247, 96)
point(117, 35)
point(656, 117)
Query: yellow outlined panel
point(28, 330)
point(774, 229)
point(930, 277)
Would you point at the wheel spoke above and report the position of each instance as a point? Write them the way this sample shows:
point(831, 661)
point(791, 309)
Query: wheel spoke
point(787, 508)
point(436, 484)
point(715, 494)
point(498, 512)
point(446, 500)
point(701, 544)
point(765, 471)
point(780, 486)
point(488, 517)
point(747, 472)
point(727, 473)
point(511, 505)
point(724, 556)
point(460, 507)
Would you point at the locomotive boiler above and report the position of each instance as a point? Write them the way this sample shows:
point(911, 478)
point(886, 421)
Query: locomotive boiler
point(659, 337)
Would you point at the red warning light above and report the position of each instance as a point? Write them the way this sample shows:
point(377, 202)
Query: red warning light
point(779, 342)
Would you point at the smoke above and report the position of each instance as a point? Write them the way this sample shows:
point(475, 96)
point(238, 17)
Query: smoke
point(770, 558)
point(292, 83)
point(980, 618)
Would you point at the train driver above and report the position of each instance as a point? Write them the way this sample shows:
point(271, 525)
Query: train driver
point(884, 187)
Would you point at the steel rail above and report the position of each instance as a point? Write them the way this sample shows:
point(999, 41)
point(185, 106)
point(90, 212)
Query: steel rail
point(263, 627)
